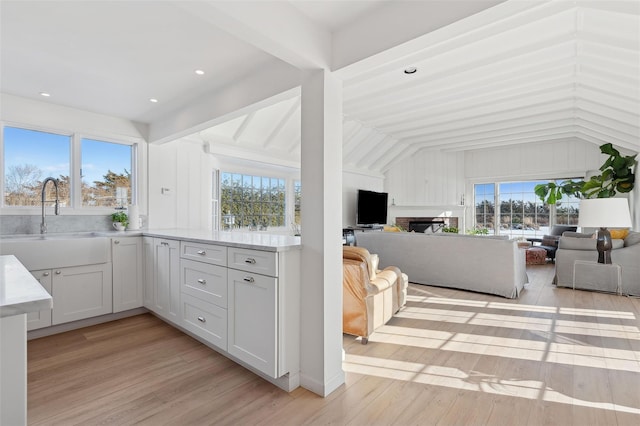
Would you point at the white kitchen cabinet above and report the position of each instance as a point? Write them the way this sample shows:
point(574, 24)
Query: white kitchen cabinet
point(126, 255)
point(166, 279)
point(253, 320)
point(81, 292)
point(40, 319)
point(148, 269)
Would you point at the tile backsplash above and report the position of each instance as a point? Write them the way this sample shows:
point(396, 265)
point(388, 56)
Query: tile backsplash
point(30, 224)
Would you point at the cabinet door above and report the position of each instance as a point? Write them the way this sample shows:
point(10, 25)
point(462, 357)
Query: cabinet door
point(167, 279)
point(127, 265)
point(81, 292)
point(252, 321)
point(40, 319)
point(148, 272)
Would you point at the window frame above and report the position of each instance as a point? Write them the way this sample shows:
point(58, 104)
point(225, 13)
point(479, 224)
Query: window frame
point(75, 163)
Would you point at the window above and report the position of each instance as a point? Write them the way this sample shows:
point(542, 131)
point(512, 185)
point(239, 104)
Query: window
point(485, 206)
point(297, 195)
point(253, 200)
point(519, 211)
point(106, 174)
point(90, 173)
point(30, 157)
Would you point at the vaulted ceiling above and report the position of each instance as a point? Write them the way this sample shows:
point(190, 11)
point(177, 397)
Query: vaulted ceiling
point(553, 71)
point(511, 72)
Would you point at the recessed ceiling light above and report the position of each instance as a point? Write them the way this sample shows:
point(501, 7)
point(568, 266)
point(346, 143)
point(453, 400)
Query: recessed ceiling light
point(199, 72)
point(154, 100)
point(410, 70)
point(45, 94)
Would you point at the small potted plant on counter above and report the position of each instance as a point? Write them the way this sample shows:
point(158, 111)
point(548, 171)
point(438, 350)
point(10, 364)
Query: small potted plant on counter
point(120, 220)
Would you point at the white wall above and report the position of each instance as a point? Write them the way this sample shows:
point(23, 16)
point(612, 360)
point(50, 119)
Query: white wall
point(560, 159)
point(184, 170)
point(429, 183)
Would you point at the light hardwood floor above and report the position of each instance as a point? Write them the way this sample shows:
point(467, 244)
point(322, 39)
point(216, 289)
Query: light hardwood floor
point(552, 357)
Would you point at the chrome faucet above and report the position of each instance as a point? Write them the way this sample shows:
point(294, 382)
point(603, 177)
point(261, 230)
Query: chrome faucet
point(43, 225)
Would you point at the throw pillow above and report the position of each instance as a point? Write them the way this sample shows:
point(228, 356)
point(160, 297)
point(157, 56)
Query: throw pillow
point(619, 234)
point(632, 239)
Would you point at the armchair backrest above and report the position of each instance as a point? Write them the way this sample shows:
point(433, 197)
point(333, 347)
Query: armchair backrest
point(361, 254)
point(558, 230)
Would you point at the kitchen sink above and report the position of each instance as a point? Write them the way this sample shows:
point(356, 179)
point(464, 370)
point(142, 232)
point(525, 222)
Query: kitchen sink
point(47, 251)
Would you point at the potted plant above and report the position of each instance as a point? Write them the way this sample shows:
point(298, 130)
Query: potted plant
point(617, 176)
point(120, 220)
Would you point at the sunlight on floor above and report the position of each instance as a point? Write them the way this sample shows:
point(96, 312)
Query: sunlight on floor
point(457, 379)
point(584, 338)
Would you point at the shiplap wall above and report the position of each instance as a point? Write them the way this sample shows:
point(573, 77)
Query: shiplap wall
point(427, 178)
point(559, 159)
point(186, 172)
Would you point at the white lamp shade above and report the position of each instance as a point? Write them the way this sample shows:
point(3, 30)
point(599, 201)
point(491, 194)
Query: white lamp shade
point(604, 213)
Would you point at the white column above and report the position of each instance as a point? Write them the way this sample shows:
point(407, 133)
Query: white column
point(321, 283)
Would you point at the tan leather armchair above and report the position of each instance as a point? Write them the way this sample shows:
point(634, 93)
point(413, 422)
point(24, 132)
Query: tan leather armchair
point(370, 296)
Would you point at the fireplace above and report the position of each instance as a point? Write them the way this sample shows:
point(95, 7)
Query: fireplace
point(428, 224)
point(432, 225)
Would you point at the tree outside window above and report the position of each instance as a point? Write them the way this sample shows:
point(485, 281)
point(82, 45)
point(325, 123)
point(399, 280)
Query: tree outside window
point(253, 200)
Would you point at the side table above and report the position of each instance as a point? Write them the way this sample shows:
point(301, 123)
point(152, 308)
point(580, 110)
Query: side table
point(591, 275)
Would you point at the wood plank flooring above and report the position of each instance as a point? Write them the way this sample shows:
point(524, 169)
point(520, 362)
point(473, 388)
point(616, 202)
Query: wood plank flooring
point(553, 357)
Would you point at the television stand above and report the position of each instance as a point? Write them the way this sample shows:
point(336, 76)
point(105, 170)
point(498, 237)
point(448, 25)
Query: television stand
point(365, 228)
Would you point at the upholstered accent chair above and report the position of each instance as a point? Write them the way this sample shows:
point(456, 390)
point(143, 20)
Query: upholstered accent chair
point(550, 241)
point(370, 297)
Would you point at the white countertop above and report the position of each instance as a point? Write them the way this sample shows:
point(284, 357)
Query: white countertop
point(20, 292)
point(257, 240)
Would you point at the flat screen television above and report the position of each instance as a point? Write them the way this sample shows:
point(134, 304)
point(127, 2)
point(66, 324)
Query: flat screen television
point(371, 208)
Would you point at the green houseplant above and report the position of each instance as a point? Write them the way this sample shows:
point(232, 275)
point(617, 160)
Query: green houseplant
point(120, 217)
point(617, 176)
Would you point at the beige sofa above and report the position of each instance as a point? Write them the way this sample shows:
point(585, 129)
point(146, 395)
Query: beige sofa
point(485, 264)
point(626, 253)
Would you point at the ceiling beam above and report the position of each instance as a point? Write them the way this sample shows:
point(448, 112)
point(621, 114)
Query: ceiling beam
point(275, 27)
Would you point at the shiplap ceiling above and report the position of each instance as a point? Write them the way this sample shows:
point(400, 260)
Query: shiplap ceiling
point(558, 70)
point(519, 71)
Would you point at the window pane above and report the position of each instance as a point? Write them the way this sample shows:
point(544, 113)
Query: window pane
point(29, 158)
point(253, 200)
point(106, 173)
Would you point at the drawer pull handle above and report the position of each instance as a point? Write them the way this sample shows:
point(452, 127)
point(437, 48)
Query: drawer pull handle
point(202, 281)
point(202, 252)
point(202, 319)
point(250, 261)
point(116, 242)
point(249, 279)
point(58, 272)
point(164, 243)
point(46, 274)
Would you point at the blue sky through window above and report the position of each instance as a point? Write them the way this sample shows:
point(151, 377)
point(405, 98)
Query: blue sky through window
point(51, 153)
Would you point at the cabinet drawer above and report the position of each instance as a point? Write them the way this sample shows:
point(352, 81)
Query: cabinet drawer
point(205, 320)
point(204, 281)
point(260, 262)
point(216, 255)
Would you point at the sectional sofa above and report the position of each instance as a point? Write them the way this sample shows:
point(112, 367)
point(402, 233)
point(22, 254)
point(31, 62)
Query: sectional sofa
point(485, 264)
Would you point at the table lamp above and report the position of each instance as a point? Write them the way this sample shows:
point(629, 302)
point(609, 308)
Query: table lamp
point(602, 213)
